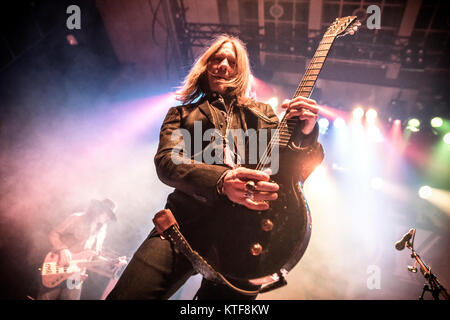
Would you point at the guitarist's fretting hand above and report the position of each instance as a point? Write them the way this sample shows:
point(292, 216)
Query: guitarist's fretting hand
point(303, 108)
point(234, 188)
point(64, 257)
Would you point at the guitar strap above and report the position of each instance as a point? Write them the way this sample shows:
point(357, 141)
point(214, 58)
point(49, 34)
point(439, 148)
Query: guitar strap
point(168, 228)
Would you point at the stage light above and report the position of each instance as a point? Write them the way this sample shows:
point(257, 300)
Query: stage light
point(323, 122)
point(413, 125)
point(395, 135)
point(358, 113)
point(375, 134)
point(447, 138)
point(414, 122)
point(436, 122)
point(71, 40)
point(371, 115)
point(330, 112)
point(323, 125)
point(320, 171)
point(339, 123)
point(273, 101)
point(376, 183)
point(358, 131)
point(425, 192)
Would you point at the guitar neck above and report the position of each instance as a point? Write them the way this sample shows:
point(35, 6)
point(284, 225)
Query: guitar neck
point(92, 264)
point(309, 79)
point(287, 126)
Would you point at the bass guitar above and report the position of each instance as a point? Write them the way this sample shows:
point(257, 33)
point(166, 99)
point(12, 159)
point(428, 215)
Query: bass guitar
point(53, 274)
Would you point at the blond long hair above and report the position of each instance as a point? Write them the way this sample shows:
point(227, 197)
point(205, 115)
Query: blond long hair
point(196, 82)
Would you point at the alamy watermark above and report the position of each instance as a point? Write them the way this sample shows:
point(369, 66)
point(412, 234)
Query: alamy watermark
point(221, 148)
point(74, 20)
point(374, 280)
point(74, 281)
point(374, 20)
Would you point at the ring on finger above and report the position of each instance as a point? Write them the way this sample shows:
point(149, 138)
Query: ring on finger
point(249, 195)
point(250, 186)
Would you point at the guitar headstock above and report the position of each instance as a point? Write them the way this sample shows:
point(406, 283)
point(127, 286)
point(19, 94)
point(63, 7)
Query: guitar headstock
point(343, 26)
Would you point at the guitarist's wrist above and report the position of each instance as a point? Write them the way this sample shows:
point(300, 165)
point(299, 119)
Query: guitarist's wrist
point(219, 184)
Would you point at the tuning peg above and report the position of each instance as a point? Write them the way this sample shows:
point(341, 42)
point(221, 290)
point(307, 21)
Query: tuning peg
point(351, 32)
point(358, 23)
point(355, 28)
point(412, 269)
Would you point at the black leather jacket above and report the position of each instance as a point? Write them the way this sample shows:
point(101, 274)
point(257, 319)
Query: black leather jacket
point(195, 182)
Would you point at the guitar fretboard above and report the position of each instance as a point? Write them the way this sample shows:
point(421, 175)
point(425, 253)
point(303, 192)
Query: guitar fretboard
point(286, 128)
point(309, 79)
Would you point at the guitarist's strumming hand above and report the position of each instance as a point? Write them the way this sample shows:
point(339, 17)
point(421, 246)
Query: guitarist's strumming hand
point(64, 257)
point(234, 187)
point(303, 108)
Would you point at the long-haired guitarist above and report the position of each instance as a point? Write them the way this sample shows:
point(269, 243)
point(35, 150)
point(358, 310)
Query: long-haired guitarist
point(208, 167)
point(80, 235)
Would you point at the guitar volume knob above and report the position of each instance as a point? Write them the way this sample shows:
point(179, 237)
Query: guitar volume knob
point(256, 249)
point(266, 224)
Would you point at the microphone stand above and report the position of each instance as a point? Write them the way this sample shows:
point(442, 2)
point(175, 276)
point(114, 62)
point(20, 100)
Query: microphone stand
point(433, 285)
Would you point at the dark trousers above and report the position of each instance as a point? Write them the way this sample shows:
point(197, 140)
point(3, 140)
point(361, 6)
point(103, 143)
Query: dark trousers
point(156, 271)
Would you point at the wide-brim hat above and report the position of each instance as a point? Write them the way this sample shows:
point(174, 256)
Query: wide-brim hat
point(109, 207)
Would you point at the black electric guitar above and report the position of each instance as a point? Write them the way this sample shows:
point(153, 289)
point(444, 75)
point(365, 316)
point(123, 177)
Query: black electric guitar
point(260, 247)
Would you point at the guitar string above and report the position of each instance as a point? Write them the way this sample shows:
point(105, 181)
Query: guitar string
point(275, 138)
point(305, 79)
point(282, 124)
point(298, 91)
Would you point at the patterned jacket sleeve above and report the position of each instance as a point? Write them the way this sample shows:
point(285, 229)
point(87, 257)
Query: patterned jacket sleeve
point(178, 170)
